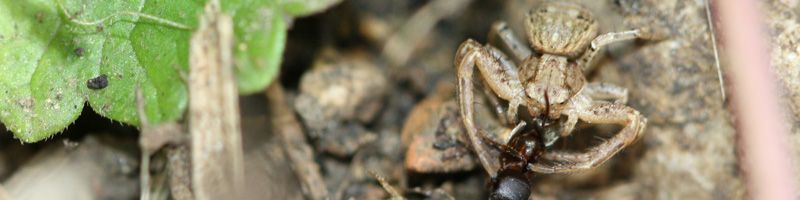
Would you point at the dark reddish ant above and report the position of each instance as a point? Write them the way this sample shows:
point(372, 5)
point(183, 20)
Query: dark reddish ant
point(514, 179)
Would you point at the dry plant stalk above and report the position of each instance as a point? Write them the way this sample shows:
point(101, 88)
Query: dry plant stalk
point(180, 177)
point(393, 193)
point(298, 151)
point(214, 124)
point(151, 139)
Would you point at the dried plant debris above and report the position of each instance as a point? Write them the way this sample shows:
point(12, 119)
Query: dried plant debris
point(434, 135)
point(213, 117)
point(297, 150)
point(179, 170)
point(435, 145)
point(341, 92)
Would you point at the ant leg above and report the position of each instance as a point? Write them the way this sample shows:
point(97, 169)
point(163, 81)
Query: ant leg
point(500, 31)
point(502, 147)
point(605, 91)
point(497, 146)
point(633, 122)
point(586, 61)
point(501, 77)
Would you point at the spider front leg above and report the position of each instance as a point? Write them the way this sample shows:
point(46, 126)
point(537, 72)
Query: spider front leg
point(586, 61)
point(606, 91)
point(606, 113)
point(500, 31)
point(500, 75)
point(591, 93)
point(499, 109)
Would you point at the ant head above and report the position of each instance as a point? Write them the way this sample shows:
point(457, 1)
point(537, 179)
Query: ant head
point(510, 186)
point(547, 129)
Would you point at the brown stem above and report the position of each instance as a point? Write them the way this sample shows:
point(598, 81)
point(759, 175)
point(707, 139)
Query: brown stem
point(298, 151)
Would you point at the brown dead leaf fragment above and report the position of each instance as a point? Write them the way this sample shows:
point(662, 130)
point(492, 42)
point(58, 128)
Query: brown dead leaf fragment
point(214, 124)
point(432, 149)
point(433, 132)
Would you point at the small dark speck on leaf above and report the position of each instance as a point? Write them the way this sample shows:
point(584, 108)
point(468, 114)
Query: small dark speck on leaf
point(98, 82)
point(79, 51)
point(40, 17)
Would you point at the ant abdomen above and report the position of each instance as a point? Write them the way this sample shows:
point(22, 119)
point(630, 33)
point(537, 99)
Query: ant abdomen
point(510, 186)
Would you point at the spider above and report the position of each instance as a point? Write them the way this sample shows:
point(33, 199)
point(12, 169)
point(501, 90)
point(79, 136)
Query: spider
point(550, 83)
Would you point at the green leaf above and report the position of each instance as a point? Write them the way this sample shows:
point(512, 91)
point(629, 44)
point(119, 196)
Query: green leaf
point(260, 32)
point(260, 29)
point(44, 80)
point(43, 76)
point(301, 8)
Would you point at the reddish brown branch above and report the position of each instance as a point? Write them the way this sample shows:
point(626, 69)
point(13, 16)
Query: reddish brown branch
point(765, 156)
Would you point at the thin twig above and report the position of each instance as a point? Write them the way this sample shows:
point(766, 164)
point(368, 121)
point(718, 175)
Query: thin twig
point(716, 52)
point(144, 167)
point(298, 151)
point(393, 193)
point(151, 139)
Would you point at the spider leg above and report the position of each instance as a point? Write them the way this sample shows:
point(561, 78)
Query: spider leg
point(586, 61)
point(498, 81)
point(605, 91)
point(632, 121)
point(507, 39)
point(499, 109)
point(500, 75)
